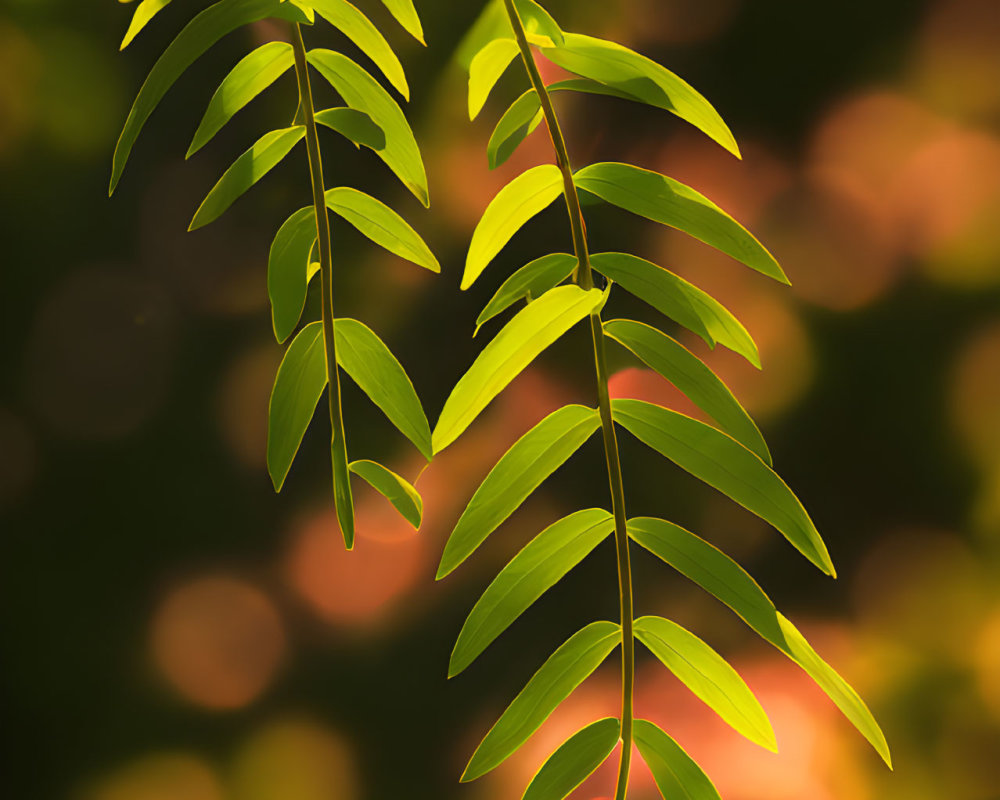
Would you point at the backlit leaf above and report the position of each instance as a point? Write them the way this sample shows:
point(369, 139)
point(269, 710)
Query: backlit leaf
point(725, 464)
point(342, 495)
point(191, 43)
point(708, 676)
point(532, 280)
point(612, 64)
point(689, 374)
point(287, 270)
point(532, 458)
point(365, 357)
point(144, 12)
point(677, 775)
point(393, 488)
point(249, 168)
point(514, 205)
point(298, 387)
point(486, 68)
point(574, 761)
point(530, 332)
point(362, 92)
point(564, 670)
point(358, 28)
point(539, 26)
point(354, 125)
point(382, 225)
point(251, 76)
point(726, 580)
point(679, 300)
point(406, 15)
point(669, 202)
point(531, 573)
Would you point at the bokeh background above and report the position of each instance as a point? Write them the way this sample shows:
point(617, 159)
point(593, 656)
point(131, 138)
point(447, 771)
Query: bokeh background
point(172, 630)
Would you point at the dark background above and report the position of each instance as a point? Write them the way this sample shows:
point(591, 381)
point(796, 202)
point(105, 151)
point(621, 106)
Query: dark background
point(171, 628)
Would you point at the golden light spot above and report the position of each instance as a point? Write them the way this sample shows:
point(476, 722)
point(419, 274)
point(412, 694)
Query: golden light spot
point(219, 641)
point(163, 776)
point(295, 759)
point(243, 400)
point(986, 660)
point(975, 397)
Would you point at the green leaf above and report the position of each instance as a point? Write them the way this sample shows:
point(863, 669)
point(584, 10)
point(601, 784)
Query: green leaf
point(531, 331)
point(514, 205)
point(574, 761)
point(564, 670)
point(489, 64)
point(679, 300)
point(249, 168)
point(669, 202)
point(726, 580)
point(382, 225)
point(687, 372)
point(364, 356)
point(726, 465)
point(288, 271)
point(354, 125)
point(362, 92)
point(677, 775)
point(298, 387)
point(521, 470)
point(342, 496)
point(406, 15)
point(492, 23)
point(398, 491)
point(530, 281)
point(248, 79)
point(525, 114)
point(191, 43)
point(532, 572)
point(617, 66)
point(144, 12)
point(539, 26)
point(359, 29)
point(708, 676)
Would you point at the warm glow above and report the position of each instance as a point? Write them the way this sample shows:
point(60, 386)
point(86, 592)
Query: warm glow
point(163, 776)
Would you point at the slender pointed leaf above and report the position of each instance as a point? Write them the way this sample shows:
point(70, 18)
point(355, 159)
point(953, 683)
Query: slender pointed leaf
point(539, 26)
point(343, 498)
point(398, 491)
point(530, 281)
point(521, 470)
point(726, 465)
point(298, 387)
point(144, 13)
point(249, 168)
point(191, 43)
point(364, 356)
point(677, 775)
point(358, 28)
point(574, 761)
point(689, 374)
point(669, 202)
point(489, 64)
point(726, 580)
point(532, 572)
point(251, 76)
point(530, 332)
point(288, 271)
point(406, 15)
point(683, 302)
point(708, 676)
point(362, 92)
point(382, 225)
point(514, 205)
point(644, 79)
point(354, 125)
point(564, 670)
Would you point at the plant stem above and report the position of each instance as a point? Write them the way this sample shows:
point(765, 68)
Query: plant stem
point(308, 116)
point(584, 277)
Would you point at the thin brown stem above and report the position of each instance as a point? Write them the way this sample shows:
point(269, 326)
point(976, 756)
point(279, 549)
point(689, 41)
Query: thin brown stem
point(584, 277)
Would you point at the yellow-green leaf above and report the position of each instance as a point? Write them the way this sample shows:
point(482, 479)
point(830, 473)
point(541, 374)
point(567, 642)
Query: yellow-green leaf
point(677, 775)
point(144, 12)
point(514, 205)
point(530, 281)
point(726, 465)
point(486, 68)
point(529, 333)
point(354, 125)
point(406, 15)
point(398, 491)
point(574, 761)
point(288, 271)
